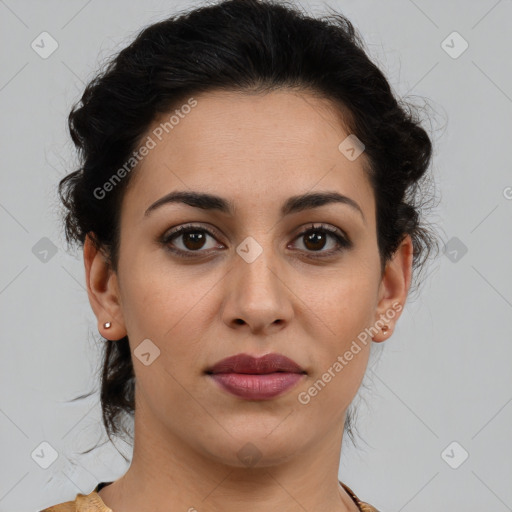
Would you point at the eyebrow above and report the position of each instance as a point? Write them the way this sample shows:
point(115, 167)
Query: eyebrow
point(216, 203)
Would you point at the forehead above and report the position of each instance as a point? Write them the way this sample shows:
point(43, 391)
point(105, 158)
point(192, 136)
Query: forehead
point(249, 147)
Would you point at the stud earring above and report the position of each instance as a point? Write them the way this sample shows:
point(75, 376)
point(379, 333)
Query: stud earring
point(107, 325)
point(385, 329)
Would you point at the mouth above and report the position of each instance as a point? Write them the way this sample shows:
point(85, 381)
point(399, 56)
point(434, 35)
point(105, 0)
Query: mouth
point(245, 363)
point(254, 378)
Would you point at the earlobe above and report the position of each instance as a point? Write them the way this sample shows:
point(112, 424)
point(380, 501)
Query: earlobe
point(103, 292)
point(394, 288)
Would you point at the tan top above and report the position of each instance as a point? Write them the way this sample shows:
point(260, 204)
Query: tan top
point(93, 503)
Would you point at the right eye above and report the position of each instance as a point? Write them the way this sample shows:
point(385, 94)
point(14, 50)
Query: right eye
point(192, 239)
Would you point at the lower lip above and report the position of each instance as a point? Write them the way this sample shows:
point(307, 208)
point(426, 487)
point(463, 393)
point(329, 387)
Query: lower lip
point(256, 387)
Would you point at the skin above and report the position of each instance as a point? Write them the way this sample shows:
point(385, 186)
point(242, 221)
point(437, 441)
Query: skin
point(256, 151)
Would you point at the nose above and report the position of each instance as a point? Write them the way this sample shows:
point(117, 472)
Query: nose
point(258, 299)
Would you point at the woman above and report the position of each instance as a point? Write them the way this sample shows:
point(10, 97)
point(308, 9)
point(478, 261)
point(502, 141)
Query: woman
point(248, 209)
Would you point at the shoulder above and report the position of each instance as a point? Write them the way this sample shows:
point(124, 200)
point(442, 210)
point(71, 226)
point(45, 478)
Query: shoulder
point(93, 503)
point(69, 506)
point(82, 503)
point(363, 506)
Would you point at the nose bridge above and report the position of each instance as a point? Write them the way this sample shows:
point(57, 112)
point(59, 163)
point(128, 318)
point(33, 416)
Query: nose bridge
point(258, 295)
point(257, 267)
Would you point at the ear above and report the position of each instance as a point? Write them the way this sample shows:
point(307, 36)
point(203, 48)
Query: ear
point(393, 290)
point(103, 292)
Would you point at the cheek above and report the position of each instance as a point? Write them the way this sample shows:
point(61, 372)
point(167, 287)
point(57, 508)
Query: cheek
point(347, 309)
point(347, 302)
point(148, 289)
point(169, 308)
point(340, 369)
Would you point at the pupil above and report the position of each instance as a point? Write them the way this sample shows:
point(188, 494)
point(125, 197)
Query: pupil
point(196, 239)
point(319, 237)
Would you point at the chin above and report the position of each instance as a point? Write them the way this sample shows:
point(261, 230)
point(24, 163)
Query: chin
point(254, 451)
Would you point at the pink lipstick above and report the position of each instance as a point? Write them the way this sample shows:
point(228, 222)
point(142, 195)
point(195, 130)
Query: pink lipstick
point(255, 378)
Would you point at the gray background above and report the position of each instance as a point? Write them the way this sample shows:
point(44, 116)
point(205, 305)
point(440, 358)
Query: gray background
point(444, 376)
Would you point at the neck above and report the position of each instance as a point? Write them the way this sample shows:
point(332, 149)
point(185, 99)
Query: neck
point(167, 471)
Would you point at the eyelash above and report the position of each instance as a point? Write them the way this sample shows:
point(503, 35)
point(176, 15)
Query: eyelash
point(343, 242)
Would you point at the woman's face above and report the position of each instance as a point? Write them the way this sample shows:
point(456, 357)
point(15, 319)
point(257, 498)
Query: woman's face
point(245, 278)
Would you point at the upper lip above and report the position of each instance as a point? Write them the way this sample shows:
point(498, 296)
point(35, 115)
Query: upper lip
point(245, 363)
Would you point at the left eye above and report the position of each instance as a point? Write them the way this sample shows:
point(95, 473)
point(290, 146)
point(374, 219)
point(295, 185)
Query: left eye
point(314, 239)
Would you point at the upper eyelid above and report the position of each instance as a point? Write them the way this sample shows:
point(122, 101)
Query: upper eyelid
point(178, 230)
